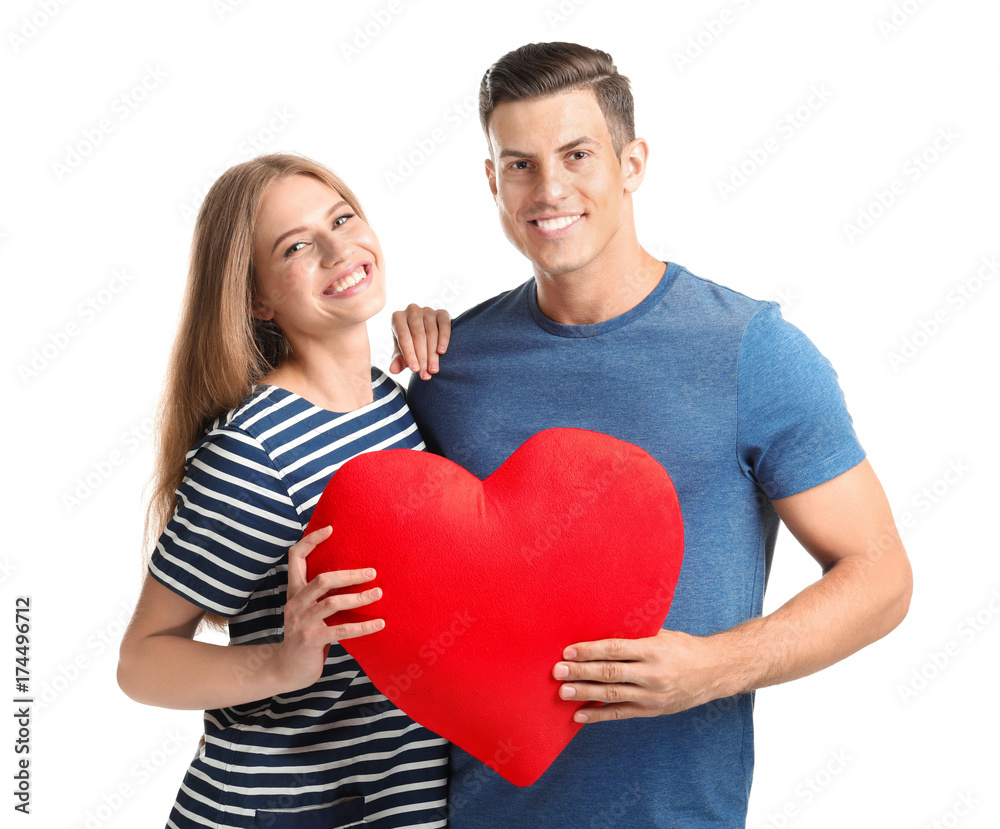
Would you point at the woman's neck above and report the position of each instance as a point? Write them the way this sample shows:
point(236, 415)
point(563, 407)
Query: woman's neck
point(334, 374)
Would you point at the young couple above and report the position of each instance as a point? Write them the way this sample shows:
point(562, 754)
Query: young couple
point(271, 389)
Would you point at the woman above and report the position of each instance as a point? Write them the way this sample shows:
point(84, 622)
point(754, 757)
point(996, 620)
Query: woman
point(270, 389)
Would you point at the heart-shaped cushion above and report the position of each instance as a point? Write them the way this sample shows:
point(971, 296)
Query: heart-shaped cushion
point(576, 537)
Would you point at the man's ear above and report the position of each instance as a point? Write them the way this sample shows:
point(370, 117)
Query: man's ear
point(491, 174)
point(634, 157)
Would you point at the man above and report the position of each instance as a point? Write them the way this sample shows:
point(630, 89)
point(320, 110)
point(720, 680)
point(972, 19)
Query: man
point(735, 403)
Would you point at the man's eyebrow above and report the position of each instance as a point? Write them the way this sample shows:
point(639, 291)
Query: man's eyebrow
point(294, 230)
point(565, 148)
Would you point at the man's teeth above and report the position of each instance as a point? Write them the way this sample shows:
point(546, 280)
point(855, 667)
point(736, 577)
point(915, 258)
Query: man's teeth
point(348, 281)
point(556, 224)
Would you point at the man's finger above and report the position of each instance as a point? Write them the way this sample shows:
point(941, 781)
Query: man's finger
point(613, 650)
point(606, 713)
point(606, 672)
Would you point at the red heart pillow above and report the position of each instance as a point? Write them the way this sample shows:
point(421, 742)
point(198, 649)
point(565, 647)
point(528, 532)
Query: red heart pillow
point(576, 537)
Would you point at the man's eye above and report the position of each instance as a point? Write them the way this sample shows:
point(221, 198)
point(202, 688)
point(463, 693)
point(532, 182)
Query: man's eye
point(294, 249)
point(519, 165)
point(580, 154)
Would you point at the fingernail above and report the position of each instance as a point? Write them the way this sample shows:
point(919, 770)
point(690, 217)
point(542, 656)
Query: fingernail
point(567, 691)
point(580, 716)
point(414, 366)
point(369, 573)
point(379, 624)
point(562, 671)
point(377, 593)
point(570, 653)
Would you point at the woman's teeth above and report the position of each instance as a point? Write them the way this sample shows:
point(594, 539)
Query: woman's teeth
point(348, 281)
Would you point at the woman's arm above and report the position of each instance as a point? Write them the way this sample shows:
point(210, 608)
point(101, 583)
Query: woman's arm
point(160, 662)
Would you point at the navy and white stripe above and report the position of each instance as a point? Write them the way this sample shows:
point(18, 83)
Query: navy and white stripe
point(337, 753)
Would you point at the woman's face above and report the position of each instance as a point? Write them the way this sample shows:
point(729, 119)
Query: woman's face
point(318, 265)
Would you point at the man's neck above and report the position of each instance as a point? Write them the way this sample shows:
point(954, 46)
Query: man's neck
point(597, 294)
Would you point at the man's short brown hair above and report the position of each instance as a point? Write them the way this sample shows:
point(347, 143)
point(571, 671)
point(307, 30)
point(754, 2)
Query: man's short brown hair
point(537, 70)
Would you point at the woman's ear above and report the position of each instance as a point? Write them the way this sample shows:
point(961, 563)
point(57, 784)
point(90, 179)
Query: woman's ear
point(260, 310)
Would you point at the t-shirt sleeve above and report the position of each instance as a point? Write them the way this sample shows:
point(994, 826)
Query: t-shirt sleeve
point(793, 428)
point(233, 523)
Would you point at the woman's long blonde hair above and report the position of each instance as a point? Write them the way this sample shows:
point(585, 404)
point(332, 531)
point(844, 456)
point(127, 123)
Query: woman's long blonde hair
point(220, 350)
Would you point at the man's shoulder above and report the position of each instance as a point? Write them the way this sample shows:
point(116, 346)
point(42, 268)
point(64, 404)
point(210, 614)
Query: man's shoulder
point(714, 303)
point(495, 308)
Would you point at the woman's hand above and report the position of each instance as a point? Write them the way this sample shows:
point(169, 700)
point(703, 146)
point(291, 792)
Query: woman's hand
point(307, 636)
point(421, 335)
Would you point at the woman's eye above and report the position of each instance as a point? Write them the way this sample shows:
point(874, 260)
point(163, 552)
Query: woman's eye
point(294, 249)
point(342, 219)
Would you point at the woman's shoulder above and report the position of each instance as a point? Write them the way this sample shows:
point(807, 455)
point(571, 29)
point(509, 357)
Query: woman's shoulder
point(246, 429)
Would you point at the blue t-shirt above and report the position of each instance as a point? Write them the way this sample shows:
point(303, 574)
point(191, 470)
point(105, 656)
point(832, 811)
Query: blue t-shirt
point(740, 408)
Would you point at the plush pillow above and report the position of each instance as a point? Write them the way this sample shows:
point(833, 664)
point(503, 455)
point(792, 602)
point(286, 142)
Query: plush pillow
point(576, 537)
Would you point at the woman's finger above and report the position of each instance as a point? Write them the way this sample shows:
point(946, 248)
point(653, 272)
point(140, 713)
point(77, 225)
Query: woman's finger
point(352, 630)
point(444, 330)
point(297, 559)
point(332, 605)
point(418, 337)
point(404, 342)
point(333, 580)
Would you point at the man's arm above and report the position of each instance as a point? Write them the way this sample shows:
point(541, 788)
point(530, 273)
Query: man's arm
point(847, 526)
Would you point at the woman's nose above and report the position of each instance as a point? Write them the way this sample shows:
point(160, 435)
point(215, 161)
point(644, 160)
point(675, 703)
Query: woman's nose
point(334, 249)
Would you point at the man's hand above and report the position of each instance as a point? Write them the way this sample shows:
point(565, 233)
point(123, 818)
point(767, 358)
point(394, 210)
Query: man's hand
point(846, 525)
point(421, 335)
point(663, 674)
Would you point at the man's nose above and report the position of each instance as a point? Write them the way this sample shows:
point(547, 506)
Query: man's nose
point(551, 184)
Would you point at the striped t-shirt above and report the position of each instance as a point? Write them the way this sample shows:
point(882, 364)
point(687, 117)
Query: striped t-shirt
point(337, 753)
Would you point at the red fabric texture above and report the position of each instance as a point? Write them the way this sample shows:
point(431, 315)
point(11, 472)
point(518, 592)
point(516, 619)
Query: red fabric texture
point(576, 537)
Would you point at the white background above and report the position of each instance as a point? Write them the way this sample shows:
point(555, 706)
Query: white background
point(848, 746)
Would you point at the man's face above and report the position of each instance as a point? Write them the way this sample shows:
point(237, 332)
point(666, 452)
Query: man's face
point(558, 183)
